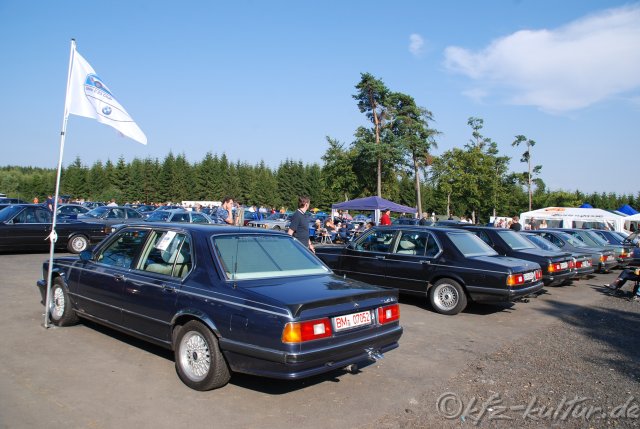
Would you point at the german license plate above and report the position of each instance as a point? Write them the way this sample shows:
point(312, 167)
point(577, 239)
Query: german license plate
point(610, 258)
point(352, 320)
point(528, 276)
point(563, 265)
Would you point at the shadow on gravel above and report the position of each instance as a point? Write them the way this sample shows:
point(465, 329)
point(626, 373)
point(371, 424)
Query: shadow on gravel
point(259, 384)
point(472, 307)
point(617, 327)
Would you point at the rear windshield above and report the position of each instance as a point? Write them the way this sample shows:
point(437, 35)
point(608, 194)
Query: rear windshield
point(542, 243)
point(159, 216)
point(515, 241)
point(245, 257)
point(470, 244)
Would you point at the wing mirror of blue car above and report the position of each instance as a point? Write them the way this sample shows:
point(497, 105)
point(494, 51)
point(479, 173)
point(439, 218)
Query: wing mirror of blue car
point(86, 255)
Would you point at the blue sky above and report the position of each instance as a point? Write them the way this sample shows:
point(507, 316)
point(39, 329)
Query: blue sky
point(268, 81)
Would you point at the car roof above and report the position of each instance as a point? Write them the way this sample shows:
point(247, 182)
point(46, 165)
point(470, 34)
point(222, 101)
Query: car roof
point(214, 229)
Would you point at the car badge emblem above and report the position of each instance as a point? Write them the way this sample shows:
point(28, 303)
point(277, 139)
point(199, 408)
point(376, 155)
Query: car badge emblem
point(356, 305)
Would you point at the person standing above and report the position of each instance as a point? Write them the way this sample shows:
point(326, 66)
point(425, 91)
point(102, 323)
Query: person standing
point(299, 226)
point(385, 219)
point(515, 224)
point(224, 213)
point(49, 203)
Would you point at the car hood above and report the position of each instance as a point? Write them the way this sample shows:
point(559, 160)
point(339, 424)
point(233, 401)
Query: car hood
point(302, 293)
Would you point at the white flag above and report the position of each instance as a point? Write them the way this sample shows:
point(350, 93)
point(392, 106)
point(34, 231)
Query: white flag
point(90, 97)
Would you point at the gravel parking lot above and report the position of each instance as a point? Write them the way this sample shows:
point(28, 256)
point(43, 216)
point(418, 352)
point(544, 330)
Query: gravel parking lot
point(571, 342)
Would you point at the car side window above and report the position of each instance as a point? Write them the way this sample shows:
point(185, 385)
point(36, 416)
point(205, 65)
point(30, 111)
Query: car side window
point(418, 244)
point(555, 240)
point(132, 214)
point(180, 217)
point(124, 249)
point(168, 253)
point(377, 241)
point(484, 237)
point(43, 216)
point(198, 218)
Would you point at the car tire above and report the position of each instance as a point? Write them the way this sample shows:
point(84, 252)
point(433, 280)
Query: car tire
point(447, 297)
point(60, 308)
point(78, 243)
point(199, 362)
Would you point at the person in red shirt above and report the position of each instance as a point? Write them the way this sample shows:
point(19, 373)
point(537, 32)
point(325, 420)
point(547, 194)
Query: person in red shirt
point(385, 219)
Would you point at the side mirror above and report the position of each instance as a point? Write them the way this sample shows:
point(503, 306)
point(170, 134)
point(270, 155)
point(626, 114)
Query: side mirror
point(86, 255)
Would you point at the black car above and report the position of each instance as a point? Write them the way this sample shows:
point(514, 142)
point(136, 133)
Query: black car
point(582, 262)
point(225, 300)
point(450, 266)
point(556, 267)
point(6, 200)
point(602, 260)
point(25, 227)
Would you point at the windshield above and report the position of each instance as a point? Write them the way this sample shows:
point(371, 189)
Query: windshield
point(515, 241)
point(586, 238)
point(542, 243)
point(470, 244)
point(98, 212)
point(159, 216)
point(571, 240)
point(248, 257)
point(9, 212)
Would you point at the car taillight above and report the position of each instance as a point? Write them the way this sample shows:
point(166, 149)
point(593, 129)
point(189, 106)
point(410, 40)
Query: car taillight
point(538, 274)
point(603, 258)
point(388, 314)
point(299, 332)
point(624, 254)
point(572, 263)
point(515, 279)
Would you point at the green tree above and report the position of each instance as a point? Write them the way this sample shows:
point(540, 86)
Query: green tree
point(526, 157)
point(372, 98)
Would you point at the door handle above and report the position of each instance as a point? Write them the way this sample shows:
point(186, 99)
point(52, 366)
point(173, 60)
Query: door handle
point(428, 262)
point(118, 277)
point(380, 258)
point(167, 288)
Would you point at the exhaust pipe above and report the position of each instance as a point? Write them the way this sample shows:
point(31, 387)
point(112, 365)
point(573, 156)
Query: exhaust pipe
point(374, 355)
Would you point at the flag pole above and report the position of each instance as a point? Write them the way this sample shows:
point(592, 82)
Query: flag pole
point(54, 236)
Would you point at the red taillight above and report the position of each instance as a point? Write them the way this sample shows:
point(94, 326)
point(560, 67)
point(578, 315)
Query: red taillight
point(299, 332)
point(515, 279)
point(538, 274)
point(388, 314)
point(572, 263)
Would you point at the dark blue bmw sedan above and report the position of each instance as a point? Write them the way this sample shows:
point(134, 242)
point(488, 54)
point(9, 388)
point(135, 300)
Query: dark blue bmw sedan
point(225, 300)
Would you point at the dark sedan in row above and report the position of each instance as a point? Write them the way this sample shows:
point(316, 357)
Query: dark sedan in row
point(26, 227)
point(557, 268)
point(225, 300)
point(450, 266)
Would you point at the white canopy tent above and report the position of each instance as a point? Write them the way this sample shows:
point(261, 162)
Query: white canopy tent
point(572, 217)
point(632, 220)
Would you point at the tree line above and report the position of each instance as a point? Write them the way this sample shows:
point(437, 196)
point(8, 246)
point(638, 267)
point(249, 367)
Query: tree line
point(391, 158)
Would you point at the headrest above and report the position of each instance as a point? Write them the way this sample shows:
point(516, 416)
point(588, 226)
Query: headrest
point(407, 245)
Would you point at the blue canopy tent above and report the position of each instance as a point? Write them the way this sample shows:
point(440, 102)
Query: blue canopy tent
point(586, 206)
point(373, 203)
point(628, 210)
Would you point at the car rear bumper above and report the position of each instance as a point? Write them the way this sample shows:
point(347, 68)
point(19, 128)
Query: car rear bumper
point(279, 364)
point(485, 294)
point(557, 279)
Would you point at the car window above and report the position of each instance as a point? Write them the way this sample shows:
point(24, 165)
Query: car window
point(484, 237)
point(515, 241)
point(378, 240)
point(552, 238)
point(168, 253)
point(198, 218)
point(418, 244)
point(28, 215)
point(180, 217)
point(44, 216)
point(254, 256)
point(122, 251)
point(133, 214)
point(470, 244)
